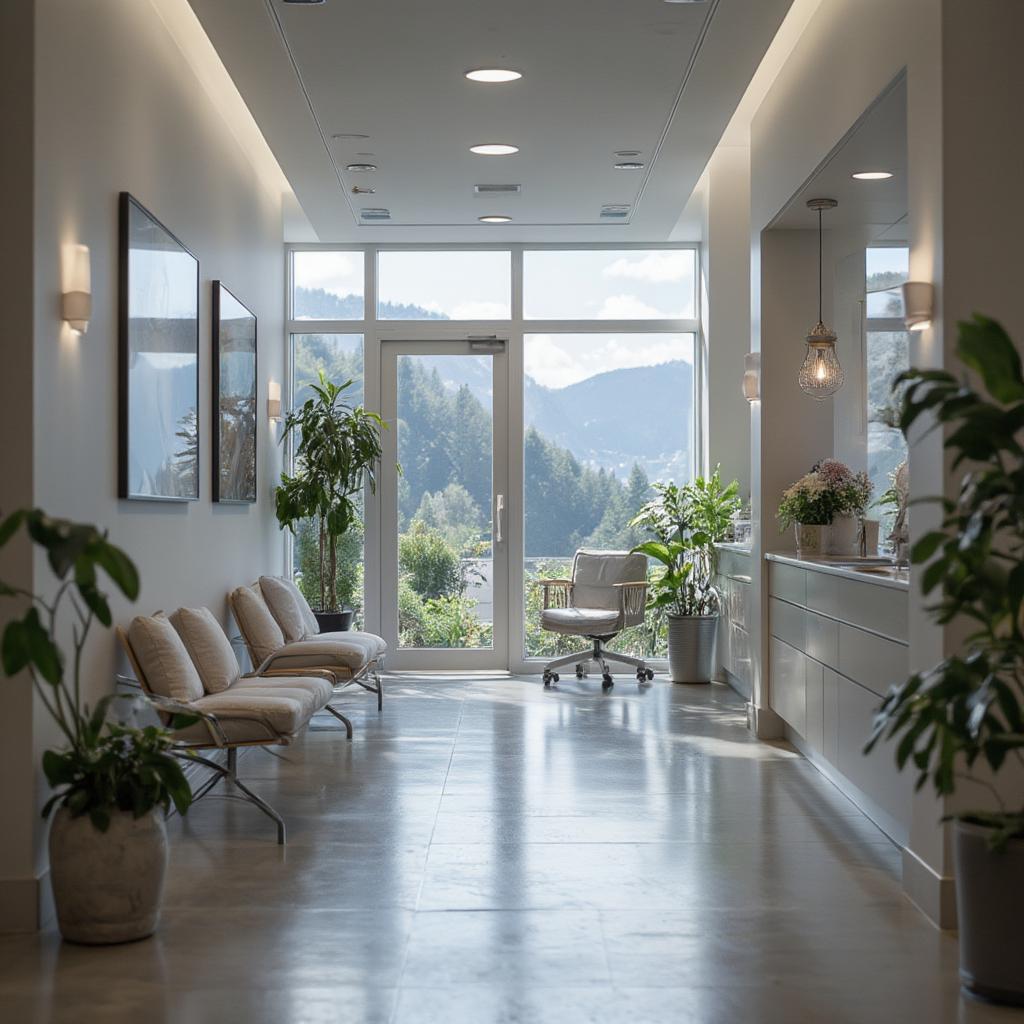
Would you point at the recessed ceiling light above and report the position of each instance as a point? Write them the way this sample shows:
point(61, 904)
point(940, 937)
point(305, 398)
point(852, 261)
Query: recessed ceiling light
point(494, 149)
point(872, 175)
point(628, 152)
point(493, 75)
point(360, 167)
point(349, 135)
point(629, 165)
point(495, 218)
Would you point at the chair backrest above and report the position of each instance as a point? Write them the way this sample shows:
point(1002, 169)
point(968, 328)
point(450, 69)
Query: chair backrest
point(595, 573)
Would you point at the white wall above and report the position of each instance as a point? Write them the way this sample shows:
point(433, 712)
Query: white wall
point(119, 107)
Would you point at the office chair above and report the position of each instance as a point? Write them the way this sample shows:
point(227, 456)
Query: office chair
point(607, 593)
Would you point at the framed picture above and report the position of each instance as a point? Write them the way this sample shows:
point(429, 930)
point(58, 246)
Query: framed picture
point(158, 372)
point(234, 398)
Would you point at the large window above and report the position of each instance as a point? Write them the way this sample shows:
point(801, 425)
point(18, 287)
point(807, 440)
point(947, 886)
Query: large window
point(887, 347)
point(340, 358)
point(327, 285)
point(444, 285)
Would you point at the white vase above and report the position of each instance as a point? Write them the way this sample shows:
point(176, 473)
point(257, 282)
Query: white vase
point(844, 536)
point(108, 886)
point(811, 539)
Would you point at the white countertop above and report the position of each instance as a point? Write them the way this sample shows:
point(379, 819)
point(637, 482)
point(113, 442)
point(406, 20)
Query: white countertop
point(728, 545)
point(897, 579)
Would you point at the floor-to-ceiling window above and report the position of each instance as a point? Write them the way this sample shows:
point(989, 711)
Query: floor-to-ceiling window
point(598, 358)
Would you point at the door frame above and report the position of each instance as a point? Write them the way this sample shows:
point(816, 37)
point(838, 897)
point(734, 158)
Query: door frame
point(446, 659)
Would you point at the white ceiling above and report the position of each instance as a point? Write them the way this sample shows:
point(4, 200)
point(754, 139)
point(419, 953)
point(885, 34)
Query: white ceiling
point(877, 142)
point(599, 76)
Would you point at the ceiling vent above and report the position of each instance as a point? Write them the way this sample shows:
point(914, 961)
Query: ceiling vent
point(375, 213)
point(614, 211)
point(497, 190)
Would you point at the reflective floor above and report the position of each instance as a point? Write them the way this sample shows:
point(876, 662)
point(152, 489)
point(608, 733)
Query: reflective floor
point(486, 851)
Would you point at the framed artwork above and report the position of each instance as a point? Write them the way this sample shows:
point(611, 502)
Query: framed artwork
point(158, 371)
point(234, 399)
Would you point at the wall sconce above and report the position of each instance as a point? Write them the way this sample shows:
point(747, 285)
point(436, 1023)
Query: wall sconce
point(752, 376)
point(918, 302)
point(76, 302)
point(274, 401)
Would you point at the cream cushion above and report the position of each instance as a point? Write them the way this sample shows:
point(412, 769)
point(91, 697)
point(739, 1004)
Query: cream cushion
point(208, 647)
point(350, 651)
point(163, 658)
point(289, 608)
point(254, 709)
point(258, 626)
point(581, 621)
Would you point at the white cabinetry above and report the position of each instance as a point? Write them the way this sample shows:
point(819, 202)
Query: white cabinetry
point(733, 651)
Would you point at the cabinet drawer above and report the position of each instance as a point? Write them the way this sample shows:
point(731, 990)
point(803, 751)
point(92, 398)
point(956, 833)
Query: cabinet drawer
point(822, 639)
point(872, 661)
point(787, 582)
point(787, 623)
point(868, 605)
point(734, 563)
point(788, 688)
point(814, 677)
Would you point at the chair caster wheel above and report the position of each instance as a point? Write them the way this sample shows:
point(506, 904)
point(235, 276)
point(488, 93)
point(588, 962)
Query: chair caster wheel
point(580, 671)
point(549, 678)
point(650, 674)
point(644, 675)
point(607, 682)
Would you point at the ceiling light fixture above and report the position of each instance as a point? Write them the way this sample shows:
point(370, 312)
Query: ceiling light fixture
point(871, 175)
point(349, 135)
point(495, 218)
point(918, 305)
point(628, 152)
point(359, 168)
point(821, 376)
point(494, 149)
point(363, 190)
point(630, 165)
point(493, 75)
point(615, 211)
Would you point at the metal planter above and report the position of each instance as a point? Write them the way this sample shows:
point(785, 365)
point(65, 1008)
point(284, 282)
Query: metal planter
point(691, 647)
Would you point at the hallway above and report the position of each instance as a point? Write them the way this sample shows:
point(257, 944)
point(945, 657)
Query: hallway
point(486, 851)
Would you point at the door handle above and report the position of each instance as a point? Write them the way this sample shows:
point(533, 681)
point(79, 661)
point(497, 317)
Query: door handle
point(499, 510)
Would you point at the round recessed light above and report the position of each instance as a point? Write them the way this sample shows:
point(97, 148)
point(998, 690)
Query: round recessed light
point(872, 175)
point(628, 152)
point(360, 167)
point(495, 218)
point(493, 75)
point(494, 149)
point(629, 165)
point(349, 135)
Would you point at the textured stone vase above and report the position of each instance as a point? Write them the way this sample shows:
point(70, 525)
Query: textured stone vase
point(990, 908)
point(844, 536)
point(811, 540)
point(108, 886)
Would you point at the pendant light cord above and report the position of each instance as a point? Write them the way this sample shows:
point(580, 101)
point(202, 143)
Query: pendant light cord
point(819, 266)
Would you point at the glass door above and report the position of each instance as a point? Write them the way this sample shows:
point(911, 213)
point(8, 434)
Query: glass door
point(443, 493)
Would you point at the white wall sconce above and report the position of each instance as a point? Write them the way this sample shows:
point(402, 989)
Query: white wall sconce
point(918, 303)
point(752, 376)
point(274, 401)
point(76, 302)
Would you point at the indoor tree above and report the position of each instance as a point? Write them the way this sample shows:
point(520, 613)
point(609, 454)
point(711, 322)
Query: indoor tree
point(338, 451)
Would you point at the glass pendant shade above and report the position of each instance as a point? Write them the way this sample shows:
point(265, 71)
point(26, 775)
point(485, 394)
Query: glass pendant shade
point(821, 375)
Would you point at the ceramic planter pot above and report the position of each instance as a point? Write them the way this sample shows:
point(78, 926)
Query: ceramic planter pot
point(335, 622)
point(108, 886)
point(844, 536)
point(811, 539)
point(990, 908)
point(691, 647)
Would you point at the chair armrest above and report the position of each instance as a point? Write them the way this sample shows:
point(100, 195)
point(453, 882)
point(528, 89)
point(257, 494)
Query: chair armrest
point(632, 600)
point(267, 671)
point(170, 706)
point(557, 593)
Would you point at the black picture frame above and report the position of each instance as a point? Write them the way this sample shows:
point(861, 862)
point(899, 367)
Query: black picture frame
point(158, 360)
point(234, 391)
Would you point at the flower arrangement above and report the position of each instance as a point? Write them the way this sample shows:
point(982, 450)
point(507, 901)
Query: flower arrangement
point(829, 490)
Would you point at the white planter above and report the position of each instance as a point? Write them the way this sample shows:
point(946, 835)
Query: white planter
point(108, 886)
point(811, 540)
point(691, 647)
point(844, 536)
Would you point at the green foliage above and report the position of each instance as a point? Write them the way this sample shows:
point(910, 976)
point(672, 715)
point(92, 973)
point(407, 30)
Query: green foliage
point(454, 515)
point(969, 708)
point(830, 489)
point(105, 766)
point(339, 449)
point(687, 521)
point(427, 561)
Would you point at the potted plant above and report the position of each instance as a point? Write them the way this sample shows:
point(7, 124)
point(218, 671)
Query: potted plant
point(963, 719)
point(339, 449)
point(113, 783)
point(688, 522)
point(826, 508)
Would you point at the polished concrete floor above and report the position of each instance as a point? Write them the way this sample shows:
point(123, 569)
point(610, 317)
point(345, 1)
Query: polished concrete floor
point(486, 851)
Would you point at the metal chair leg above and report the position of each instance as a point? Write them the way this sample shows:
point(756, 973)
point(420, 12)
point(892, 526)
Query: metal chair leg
point(265, 808)
point(341, 718)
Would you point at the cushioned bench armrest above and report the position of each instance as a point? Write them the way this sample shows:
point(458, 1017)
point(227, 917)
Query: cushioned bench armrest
point(557, 593)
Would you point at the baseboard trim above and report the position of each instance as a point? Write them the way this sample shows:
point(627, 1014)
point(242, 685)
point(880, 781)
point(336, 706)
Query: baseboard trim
point(764, 723)
point(26, 904)
point(933, 894)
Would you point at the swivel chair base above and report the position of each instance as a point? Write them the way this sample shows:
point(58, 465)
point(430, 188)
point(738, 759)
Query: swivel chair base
point(602, 656)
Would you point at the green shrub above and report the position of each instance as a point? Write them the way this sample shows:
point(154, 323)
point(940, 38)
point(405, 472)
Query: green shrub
point(429, 563)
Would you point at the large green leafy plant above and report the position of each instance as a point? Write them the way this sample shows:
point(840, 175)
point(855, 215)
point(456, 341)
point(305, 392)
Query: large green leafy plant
point(687, 521)
point(968, 710)
point(104, 765)
point(339, 449)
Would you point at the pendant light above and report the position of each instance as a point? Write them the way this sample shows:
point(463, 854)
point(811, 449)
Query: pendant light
point(821, 376)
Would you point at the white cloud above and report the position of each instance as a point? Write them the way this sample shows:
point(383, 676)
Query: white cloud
point(340, 273)
point(626, 307)
point(480, 311)
point(558, 360)
point(658, 267)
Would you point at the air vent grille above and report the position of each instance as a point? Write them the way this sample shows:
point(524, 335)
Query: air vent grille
point(497, 190)
point(375, 213)
point(615, 211)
